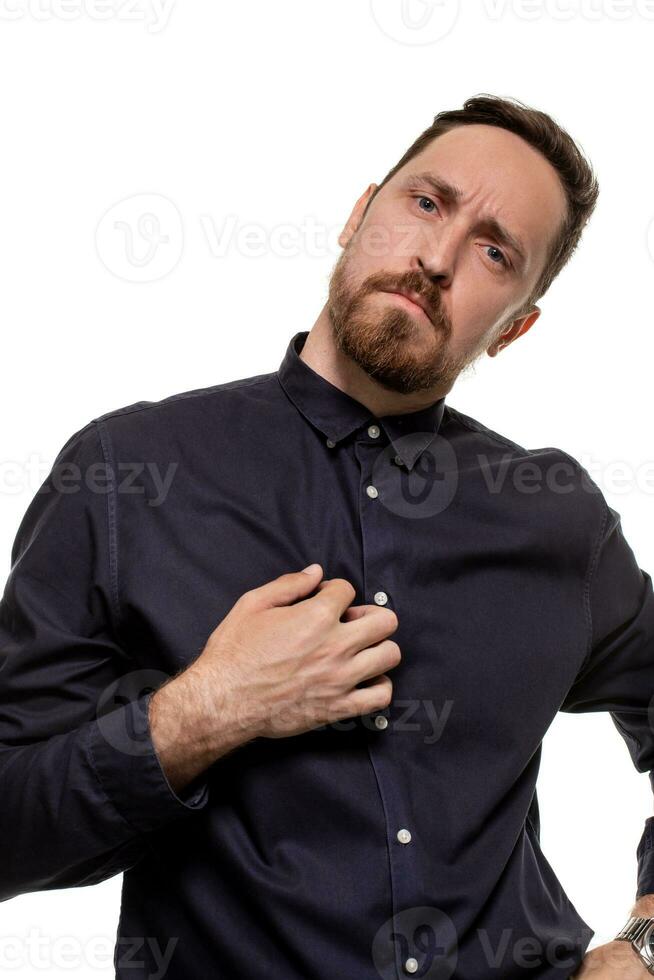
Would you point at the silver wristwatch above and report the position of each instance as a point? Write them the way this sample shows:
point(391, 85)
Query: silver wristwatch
point(639, 931)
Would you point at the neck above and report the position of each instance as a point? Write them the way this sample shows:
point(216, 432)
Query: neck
point(323, 356)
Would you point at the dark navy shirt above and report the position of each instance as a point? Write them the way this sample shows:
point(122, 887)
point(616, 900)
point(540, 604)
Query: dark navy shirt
point(400, 843)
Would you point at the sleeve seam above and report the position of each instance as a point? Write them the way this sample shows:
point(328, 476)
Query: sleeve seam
point(592, 566)
point(594, 557)
point(112, 518)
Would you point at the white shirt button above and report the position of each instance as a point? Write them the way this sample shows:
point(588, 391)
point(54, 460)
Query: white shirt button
point(331, 443)
point(398, 460)
point(404, 836)
point(373, 431)
point(381, 721)
point(372, 491)
point(411, 965)
point(380, 598)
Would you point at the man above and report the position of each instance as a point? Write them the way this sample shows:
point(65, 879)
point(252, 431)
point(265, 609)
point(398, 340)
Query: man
point(330, 771)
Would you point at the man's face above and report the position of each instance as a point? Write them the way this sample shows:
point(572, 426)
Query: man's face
point(471, 279)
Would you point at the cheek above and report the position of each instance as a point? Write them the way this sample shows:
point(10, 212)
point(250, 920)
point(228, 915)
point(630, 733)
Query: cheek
point(381, 250)
point(362, 260)
point(468, 312)
point(474, 305)
point(388, 240)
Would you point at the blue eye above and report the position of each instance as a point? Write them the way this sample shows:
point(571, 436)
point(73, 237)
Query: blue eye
point(501, 254)
point(430, 202)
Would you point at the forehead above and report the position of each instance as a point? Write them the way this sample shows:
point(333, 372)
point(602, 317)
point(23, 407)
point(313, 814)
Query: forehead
point(501, 176)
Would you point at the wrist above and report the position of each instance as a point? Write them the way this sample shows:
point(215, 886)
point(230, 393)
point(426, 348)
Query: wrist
point(638, 932)
point(192, 725)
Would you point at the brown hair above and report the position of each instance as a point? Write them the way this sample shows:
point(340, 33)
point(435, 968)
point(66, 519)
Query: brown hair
point(556, 145)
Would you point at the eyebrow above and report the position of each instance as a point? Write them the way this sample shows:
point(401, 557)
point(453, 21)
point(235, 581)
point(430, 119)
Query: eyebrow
point(450, 193)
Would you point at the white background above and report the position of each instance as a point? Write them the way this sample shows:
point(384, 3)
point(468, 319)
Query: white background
point(270, 117)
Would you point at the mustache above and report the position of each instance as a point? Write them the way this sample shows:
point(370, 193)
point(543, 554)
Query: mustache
point(413, 282)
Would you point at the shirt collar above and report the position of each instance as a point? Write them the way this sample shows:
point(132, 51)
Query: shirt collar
point(337, 415)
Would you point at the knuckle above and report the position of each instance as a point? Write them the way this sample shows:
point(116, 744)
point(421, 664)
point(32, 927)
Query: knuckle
point(322, 612)
point(247, 598)
point(393, 621)
point(386, 694)
point(345, 586)
point(394, 652)
point(332, 689)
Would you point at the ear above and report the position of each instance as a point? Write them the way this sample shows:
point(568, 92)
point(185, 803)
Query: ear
point(516, 328)
point(356, 216)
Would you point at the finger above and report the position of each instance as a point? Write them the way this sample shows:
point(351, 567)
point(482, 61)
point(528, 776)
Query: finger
point(356, 612)
point(286, 588)
point(336, 593)
point(368, 698)
point(371, 663)
point(366, 629)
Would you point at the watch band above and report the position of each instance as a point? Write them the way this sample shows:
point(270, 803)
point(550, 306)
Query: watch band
point(637, 931)
point(634, 928)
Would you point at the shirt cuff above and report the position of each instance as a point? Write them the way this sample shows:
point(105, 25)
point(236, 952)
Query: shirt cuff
point(127, 766)
point(645, 855)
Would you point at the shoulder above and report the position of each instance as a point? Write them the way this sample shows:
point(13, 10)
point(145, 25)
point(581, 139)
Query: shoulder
point(196, 399)
point(457, 424)
point(549, 474)
point(195, 420)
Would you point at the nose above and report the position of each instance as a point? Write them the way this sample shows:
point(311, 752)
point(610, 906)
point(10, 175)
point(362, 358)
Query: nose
point(435, 257)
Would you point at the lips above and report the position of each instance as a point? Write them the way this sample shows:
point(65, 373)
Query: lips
point(414, 298)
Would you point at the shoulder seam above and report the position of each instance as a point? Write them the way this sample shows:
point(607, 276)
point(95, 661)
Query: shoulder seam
point(476, 426)
point(194, 393)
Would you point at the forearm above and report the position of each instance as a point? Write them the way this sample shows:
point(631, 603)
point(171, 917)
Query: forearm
point(644, 906)
point(194, 721)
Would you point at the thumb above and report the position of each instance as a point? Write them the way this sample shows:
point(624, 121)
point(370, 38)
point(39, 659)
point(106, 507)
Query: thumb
point(285, 589)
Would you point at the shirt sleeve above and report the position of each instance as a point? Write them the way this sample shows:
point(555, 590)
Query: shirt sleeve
point(618, 672)
point(80, 781)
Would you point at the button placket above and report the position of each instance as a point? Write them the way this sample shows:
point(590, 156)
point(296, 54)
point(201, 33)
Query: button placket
point(365, 459)
point(380, 541)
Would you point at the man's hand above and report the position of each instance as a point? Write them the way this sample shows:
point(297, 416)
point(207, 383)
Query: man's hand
point(282, 662)
point(612, 961)
point(617, 960)
point(290, 661)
